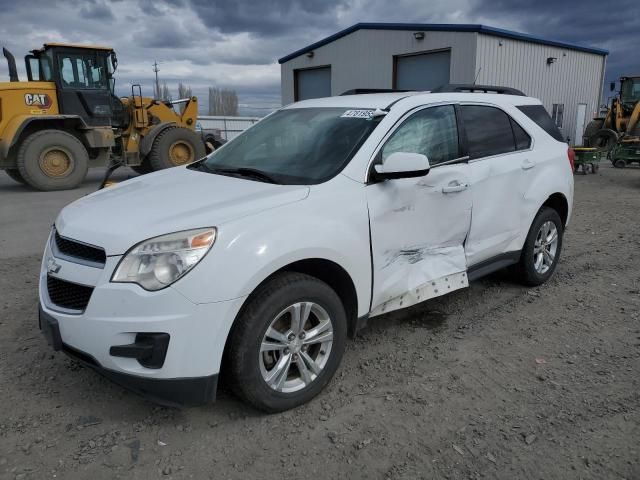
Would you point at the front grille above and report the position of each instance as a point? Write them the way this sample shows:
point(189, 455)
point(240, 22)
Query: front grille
point(67, 294)
point(79, 250)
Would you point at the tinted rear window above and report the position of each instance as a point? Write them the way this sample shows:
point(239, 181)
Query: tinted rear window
point(488, 131)
point(538, 114)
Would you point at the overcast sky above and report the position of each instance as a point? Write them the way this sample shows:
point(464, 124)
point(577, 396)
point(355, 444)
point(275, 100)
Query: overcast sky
point(236, 43)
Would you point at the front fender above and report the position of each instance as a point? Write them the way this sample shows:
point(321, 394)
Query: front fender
point(325, 226)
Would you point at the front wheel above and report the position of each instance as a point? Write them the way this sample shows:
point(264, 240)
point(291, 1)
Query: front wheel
point(287, 343)
point(542, 248)
point(14, 174)
point(52, 160)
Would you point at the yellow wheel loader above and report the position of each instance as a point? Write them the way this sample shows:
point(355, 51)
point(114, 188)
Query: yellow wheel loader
point(618, 130)
point(66, 117)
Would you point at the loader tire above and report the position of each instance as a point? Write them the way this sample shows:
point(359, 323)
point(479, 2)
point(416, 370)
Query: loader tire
point(52, 160)
point(143, 168)
point(15, 175)
point(174, 147)
point(591, 129)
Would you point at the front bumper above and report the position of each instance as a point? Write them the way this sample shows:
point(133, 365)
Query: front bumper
point(170, 392)
point(118, 315)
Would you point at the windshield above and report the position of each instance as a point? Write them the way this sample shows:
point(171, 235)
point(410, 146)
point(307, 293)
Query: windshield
point(630, 90)
point(296, 146)
point(79, 71)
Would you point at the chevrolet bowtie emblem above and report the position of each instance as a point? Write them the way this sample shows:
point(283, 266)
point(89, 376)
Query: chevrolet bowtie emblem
point(52, 266)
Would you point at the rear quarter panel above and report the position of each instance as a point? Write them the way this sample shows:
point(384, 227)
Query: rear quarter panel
point(552, 174)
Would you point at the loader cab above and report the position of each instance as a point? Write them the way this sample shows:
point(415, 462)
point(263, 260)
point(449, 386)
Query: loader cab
point(630, 90)
point(83, 78)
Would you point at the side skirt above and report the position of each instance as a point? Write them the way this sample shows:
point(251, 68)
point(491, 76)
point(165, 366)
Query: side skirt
point(491, 265)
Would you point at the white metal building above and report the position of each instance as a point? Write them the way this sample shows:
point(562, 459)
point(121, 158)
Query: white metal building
point(566, 78)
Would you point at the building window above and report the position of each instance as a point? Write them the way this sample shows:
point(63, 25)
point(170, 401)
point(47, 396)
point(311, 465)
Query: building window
point(557, 114)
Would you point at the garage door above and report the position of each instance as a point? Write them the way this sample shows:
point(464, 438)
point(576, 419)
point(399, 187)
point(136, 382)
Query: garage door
point(312, 83)
point(424, 71)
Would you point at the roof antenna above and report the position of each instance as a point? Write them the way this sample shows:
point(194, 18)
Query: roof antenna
point(477, 74)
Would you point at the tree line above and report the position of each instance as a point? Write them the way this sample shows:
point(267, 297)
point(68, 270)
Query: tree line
point(222, 101)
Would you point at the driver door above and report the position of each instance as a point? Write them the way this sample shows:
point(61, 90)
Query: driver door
point(419, 225)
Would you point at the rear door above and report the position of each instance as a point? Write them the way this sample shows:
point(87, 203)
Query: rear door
point(418, 225)
point(500, 159)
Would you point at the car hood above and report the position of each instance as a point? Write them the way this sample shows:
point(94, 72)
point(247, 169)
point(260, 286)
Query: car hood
point(118, 217)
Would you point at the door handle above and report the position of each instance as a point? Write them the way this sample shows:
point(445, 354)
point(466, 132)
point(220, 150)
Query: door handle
point(527, 164)
point(454, 187)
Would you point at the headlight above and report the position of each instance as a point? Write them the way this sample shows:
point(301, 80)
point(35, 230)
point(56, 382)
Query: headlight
point(158, 262)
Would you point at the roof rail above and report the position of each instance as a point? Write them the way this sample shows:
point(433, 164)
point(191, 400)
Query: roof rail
point(363, 91)
point(460, 87)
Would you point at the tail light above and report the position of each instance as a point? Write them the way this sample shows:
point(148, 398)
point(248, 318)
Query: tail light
point(571, 154)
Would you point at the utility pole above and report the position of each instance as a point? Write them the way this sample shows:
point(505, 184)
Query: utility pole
point(156, 70)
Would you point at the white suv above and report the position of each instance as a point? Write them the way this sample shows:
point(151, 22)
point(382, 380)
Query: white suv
point(261, 258)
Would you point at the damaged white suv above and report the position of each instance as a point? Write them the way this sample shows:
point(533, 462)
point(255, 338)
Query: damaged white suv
point(261, 258)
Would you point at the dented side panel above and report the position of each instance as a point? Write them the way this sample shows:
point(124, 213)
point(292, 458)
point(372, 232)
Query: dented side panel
point(417, 235)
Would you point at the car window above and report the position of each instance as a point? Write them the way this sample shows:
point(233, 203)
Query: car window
point(539, 115)
point(432, 132)
point(522, 138)
point(488, 131)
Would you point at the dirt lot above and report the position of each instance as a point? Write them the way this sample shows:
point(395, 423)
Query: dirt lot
point(497, 381)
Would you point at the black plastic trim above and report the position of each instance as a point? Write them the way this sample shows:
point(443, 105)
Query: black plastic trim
point(473, 88)
point(150, 349)
point(493, 264)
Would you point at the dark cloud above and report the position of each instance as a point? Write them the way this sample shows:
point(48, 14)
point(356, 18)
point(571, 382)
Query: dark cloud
point(268, 17)
point(97, 11)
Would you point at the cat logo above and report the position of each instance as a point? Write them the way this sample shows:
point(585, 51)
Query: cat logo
point(39, 100)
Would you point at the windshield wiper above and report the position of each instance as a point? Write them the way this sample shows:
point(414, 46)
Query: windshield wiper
point(244, 172)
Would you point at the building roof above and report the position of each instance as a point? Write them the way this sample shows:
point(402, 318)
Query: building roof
point(443, 27)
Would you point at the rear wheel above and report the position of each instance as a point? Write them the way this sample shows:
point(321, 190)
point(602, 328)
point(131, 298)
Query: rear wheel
point(287, 343)
point(174, 147)
point(619, 163)
point(14, 173)
point(52, 160)
point(542, 248)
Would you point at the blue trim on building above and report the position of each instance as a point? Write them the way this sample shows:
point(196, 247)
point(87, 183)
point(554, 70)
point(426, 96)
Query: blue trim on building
point(442, 27)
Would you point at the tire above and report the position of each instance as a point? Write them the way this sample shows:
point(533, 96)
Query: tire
point(526, 268)
point(14, 173)
point(604, 139)
point(619, 163)
point(590, 130)
point(248, 366)
point(187, 147)
point(143, 168)
point(52, 160)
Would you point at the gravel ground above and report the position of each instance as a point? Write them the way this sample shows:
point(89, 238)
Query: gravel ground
point(497, 381)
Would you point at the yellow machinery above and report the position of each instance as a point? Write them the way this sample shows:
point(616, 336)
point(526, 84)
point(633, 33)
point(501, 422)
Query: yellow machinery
point(66, 117)
point(618, 131)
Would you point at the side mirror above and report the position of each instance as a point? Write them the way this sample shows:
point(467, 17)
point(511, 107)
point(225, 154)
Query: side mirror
point(402, 165)
point(612, 86)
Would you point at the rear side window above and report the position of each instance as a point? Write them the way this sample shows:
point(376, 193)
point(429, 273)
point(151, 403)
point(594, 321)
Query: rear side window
point(538, 114)
point(522, 138)
point(488, 130)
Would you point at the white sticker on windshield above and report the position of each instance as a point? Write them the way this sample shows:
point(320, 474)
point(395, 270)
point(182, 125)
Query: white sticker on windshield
point(358, 114)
